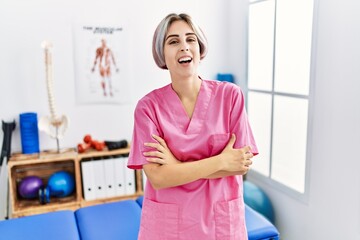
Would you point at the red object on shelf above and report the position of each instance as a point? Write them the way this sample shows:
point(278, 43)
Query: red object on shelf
point(87, 138)
point(90, 143)
point(82, 147)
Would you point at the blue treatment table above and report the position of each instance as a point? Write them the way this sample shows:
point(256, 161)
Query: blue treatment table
point(258, 227)
point(54, 225)
point(111, 221)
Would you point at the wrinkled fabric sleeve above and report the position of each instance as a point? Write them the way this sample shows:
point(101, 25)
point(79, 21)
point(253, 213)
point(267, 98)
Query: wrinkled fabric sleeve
point(239, 123)
point(144, 126)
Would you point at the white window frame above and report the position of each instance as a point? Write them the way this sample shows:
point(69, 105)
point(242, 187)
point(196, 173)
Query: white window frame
point(267, 180)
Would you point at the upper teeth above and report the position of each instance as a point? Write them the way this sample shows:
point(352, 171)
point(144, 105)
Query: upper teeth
point(184, 59)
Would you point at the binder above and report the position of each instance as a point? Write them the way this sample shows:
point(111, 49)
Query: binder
point(88, 180)
point(99, 178)
point(119, 166)
point(109, 170)
point(129, 178)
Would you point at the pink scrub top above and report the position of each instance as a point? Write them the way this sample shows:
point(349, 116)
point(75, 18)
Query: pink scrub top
point(205, 209)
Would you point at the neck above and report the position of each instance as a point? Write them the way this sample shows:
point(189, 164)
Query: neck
point(186, 88)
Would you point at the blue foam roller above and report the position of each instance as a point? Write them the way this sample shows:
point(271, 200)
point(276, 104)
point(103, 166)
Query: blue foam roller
point(29, 133)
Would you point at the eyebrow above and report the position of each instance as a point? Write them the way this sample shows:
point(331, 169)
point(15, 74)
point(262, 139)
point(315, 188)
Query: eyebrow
point(177, 35)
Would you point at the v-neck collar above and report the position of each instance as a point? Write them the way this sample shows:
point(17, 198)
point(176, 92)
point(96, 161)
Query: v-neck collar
point(194, 124)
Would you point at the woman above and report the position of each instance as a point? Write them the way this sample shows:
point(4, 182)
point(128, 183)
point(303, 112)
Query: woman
point(193, 140)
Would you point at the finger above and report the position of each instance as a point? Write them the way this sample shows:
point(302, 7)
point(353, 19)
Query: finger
point(249, 155)
point(157, 146)
point(231, 141)
point(248, 163)
point(247, 149)
point(160, 140)
point(246, 168)
point(154, 154)
point(156, 160)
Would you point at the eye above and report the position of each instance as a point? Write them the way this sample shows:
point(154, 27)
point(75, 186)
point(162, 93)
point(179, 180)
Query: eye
point(192, 39)
point(172, 41)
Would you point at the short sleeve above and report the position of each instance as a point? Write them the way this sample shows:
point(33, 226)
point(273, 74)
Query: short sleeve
point(239, 123)
point(145, 125)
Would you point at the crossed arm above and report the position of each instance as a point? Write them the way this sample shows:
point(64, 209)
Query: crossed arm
point(164, 170)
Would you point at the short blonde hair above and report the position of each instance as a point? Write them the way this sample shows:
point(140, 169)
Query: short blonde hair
point(160, 35)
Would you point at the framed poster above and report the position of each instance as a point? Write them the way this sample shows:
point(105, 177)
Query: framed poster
point(101, 71)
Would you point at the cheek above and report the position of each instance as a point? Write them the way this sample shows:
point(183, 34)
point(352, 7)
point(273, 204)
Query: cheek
point(196, 53)
point(196, 56)
point(168, 55)
point(167, 60)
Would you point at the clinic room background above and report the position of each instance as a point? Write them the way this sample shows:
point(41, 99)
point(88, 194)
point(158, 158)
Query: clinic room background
point(329, 208)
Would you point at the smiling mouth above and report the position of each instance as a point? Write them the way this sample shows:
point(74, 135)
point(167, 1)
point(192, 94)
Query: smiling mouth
point(185, 60)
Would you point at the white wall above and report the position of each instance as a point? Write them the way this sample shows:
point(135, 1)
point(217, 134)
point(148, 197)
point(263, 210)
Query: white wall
point(25, 24)
point(332, 211)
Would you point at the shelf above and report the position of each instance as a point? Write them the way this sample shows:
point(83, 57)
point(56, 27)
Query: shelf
point(44, 165)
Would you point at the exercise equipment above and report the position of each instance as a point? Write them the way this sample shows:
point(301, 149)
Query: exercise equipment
point(112, 145)
point(61, 184)
point(29, 187)
point(29, 133)
point(44, 195)
point(83, 147)
point(8, 128)
point(90, 143)
point(258, 200)
point(99, 145)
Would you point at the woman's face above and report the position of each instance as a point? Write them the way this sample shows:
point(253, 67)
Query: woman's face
point(181, 50)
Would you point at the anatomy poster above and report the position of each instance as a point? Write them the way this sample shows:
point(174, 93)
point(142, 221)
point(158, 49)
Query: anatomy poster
point(101, 71)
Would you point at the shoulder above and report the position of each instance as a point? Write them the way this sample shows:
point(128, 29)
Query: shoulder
point(153, 98)
point(222, 87)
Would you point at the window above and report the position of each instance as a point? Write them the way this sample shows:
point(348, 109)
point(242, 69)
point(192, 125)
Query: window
point(279, 57)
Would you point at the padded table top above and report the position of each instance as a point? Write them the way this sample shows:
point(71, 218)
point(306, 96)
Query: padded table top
point(258, 227)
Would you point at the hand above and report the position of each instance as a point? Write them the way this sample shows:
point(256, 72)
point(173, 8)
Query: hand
point(162, 155)
point(236, 160)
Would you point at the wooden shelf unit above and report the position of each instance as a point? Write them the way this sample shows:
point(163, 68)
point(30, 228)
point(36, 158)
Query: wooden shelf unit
point(45, 164)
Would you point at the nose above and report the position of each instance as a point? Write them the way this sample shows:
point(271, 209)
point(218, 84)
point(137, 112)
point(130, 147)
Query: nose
point(184, 47)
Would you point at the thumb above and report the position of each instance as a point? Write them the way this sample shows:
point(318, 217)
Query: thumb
point(231, 141)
